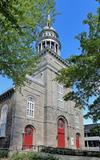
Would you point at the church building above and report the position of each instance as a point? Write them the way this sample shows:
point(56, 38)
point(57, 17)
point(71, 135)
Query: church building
point(38, 115)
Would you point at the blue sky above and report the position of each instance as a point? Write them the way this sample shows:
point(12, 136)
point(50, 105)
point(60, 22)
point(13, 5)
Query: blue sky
point(67, 24)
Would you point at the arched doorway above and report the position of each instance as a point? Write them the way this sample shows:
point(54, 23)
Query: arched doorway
point(61, 133)
point(28, 137)
point(77, 140)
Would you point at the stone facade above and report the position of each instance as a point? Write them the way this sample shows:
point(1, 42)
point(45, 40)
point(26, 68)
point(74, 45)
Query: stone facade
point(7, 99)
point(48, 109)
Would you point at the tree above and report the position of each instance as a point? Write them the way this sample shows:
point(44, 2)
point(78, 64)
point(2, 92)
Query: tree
point(83, 73)
point(95, 131)
point(20, 22)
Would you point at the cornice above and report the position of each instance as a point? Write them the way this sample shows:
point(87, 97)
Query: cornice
point(48, 50)
point(6, 94)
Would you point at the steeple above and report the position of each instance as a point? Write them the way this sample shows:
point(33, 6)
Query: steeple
point(49, 21)
point(49, 38)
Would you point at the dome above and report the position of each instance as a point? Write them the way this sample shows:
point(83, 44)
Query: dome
point(47, 27)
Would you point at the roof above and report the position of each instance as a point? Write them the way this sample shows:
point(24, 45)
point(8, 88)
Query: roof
point(88, 127)
point(6, 94)
point(49, 29)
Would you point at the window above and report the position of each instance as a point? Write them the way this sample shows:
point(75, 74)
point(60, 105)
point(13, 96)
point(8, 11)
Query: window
point(3, 120)
point(48, 43)
point(60, 92)
point(52, 45)
point(2, 129)
point(43, 44)
point(93, 143)
point(39, 46)
point(77, 120)
point(56, 48)
point(86, 144)
point(30, 107)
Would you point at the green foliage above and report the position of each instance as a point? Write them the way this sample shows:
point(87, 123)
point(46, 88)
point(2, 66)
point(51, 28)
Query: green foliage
point(32, 156)
point(3, 153)
point(83, 72)
point(74, 152)
point(20, 22)
point(95, 131)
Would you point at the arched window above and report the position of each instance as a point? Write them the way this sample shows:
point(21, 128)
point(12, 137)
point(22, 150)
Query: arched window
point(3, 120)
point(30, 107)
point(48, 44)
point(52, 46)
point(43, 45)
point(40, 47)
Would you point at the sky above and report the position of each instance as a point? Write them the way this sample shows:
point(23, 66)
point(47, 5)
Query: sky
point(68, 24)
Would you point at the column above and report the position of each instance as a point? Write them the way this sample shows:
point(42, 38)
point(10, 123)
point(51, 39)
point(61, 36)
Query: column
point(41, 46)
point(38, 48)
point(50, 44)
point(45, 44)
point(55, 47)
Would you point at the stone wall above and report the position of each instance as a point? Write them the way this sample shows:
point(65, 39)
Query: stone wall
point(67, 157)
point(9, 101)
point(53, 111)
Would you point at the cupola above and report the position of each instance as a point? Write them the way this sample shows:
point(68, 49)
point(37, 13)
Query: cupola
point(48, 38)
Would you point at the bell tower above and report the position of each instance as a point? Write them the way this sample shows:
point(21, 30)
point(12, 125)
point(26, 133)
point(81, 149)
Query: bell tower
point(48, 38)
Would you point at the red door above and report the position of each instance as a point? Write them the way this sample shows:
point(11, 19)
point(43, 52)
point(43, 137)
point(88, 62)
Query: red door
point(77, 141)
point(28, 138)
point(61, 133)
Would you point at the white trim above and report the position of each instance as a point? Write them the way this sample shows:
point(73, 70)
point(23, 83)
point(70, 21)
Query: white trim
point(30, 108)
